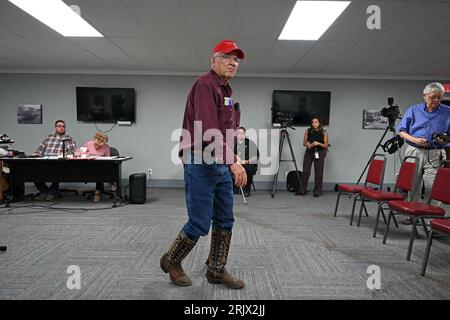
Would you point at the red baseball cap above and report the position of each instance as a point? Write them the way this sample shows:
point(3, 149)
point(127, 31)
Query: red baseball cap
point(228, 46)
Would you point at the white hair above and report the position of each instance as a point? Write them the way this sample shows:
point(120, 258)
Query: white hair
point(433, 86)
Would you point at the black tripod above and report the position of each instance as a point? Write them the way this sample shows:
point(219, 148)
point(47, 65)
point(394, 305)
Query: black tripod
point(284, 134)
point(379, 144)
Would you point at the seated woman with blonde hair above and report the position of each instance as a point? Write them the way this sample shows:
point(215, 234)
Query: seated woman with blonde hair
point(98, 147)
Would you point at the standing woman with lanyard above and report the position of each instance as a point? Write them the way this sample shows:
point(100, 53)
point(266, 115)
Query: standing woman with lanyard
point(316, 143)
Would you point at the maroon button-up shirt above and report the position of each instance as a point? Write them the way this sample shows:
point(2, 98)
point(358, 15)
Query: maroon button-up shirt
point(209, 102)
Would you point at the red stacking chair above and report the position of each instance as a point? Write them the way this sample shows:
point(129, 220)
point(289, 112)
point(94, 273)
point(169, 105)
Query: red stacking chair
point(375, 176)
point(438, 226)
point(403, 185)
point(418, 210)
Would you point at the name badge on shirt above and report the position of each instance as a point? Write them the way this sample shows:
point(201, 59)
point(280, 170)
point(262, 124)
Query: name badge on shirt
point(228, 102)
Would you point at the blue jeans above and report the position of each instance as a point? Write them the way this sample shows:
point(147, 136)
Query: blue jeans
point(209, 197)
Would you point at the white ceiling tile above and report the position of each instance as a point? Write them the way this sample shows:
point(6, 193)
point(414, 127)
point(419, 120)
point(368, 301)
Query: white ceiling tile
point(434, 54)
point(262, 19)
point(34, 50)
point(410, 19)
point(311, 66)
point(101, 47)
point(290, 50)
point(6, 33)
point(405, 50)
point(204, 47)
point(19, 22)
point(110, 17)
point(327, 50)
point(350, 25)
point(176, 47)
point(255, 48)
point(93, 63)
point(18, 57)
point(159, 18)
point(210, 18)
point(431, 68)
point(138, 47)
point(151, 63)
point(9, 63)
point(63, 46)
point(124, 63)
point(369, 67)
point(365, 49)
point(187, 65)
point(250, 65)
point(277, 66)
point(437, 32)
point(397, 68)
point(341, 66)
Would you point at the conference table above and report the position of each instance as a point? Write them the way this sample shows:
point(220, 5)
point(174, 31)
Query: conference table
point(46, 169)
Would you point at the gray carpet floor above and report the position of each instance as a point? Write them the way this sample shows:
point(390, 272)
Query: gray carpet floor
point(288, 247)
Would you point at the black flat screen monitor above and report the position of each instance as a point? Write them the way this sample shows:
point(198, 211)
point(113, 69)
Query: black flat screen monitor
point(107, 105)
point(302, 105)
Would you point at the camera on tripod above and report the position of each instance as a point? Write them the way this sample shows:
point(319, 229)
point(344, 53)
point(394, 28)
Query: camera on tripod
point(285, 118)
point(392, 112)
point(443, 136)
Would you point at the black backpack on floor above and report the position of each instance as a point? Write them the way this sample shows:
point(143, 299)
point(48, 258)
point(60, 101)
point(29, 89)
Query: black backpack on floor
point(292, 183)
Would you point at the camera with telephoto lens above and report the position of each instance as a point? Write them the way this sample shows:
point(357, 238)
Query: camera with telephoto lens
point(392, 112)
point(443, 136)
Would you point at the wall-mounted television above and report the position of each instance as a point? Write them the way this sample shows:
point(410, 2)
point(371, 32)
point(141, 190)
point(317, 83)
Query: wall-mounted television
point(302, 105)
point(106, 104)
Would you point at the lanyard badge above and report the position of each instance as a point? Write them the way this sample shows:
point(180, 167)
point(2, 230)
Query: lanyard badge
point(228, 102)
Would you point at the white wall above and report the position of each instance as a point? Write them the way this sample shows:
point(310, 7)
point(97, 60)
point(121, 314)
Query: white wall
point(160, 108)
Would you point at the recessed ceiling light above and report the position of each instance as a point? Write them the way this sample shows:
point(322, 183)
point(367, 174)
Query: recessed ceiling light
point(58, 16)
point(310, 19)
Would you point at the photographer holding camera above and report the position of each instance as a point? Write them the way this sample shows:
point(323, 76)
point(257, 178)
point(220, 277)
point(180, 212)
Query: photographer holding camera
point(417, 127)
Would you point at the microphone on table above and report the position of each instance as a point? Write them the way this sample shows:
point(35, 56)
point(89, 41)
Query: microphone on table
point(63, 140)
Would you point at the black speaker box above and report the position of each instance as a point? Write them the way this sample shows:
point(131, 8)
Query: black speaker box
point(137, 182)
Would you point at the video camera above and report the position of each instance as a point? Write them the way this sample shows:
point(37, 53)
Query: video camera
point(392, 112)
point(443, 136)
point(285, 118)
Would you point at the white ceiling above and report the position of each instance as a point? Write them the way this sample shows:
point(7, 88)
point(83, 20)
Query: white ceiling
point(177, 36)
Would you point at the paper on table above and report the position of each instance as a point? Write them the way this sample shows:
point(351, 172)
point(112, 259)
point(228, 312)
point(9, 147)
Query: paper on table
point(104, 158)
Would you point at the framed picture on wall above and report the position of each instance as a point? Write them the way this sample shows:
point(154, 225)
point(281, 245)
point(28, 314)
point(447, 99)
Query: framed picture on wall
point(29, 114)
point(372, 119)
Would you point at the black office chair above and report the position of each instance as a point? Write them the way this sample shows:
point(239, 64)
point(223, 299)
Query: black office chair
point(113, 153)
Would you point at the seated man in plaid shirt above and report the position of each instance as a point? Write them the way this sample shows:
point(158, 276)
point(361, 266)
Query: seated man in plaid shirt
point(53, 146)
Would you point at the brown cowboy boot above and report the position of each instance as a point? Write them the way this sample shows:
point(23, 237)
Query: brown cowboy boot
point(217, 259)
point(171, 261)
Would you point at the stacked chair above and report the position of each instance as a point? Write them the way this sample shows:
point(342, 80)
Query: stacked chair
point(403, 185)
point(421, 211)
point(374, 179)
point(438, 226)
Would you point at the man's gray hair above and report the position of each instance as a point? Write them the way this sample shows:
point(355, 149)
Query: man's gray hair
point(433, 86)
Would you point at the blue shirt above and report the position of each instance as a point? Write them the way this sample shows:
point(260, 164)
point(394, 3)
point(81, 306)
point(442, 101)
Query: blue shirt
point(420, 123)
